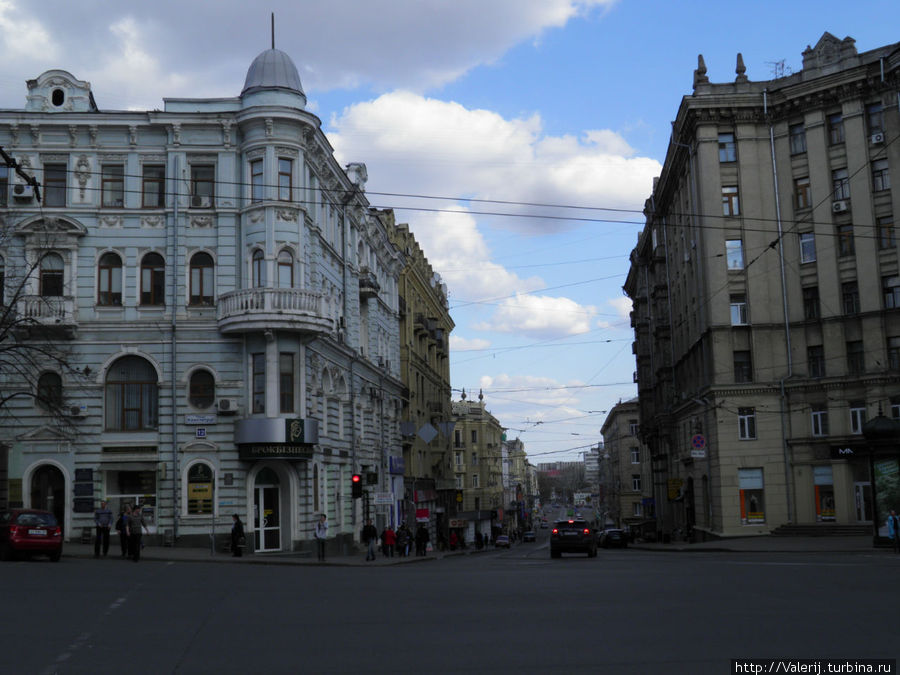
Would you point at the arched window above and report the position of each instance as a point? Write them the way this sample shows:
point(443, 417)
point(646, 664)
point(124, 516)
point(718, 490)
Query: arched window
point(153, 280)
point(51, 276)
point(109, 280)
point(202, 272)
point(202, 389)
point(49, 391)
point(259, 269)
point(132, 396)
point(285, 270)
point(200, 487)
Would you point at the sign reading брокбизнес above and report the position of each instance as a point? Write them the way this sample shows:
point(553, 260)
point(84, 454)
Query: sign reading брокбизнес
point(274, 451)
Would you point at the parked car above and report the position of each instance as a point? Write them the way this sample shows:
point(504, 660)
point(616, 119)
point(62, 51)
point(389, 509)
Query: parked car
point(529, 535)
point(543, 524)
point(613, 537)
point(24, 532)
point(501, 541)
point(573, 536)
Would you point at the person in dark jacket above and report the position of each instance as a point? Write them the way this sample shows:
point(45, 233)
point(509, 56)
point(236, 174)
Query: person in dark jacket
point(103, 521)
point(422, 539)
point(136, 525)
point(237, 536)
point(403, 538)
point(122, 527)
point(369, 538)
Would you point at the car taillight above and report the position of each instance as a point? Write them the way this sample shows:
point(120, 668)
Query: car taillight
point(56, 532)
point(13, 531)
point(587, 531)
point(555, 531)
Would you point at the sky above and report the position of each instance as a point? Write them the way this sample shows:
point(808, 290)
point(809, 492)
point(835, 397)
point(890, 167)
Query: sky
point(519, 140)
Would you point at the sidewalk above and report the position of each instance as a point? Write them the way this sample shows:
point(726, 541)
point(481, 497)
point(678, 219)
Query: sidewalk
point(767, 543)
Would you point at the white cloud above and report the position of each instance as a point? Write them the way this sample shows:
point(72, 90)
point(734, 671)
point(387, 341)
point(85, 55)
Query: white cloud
point(461, 344)
point(517, 391)
point(541, 317)
point(622, 306)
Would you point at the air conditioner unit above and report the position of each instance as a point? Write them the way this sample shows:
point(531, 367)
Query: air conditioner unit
point(227, 406)
point(877, 138)
point(76, 411)
point(23, 191)
point(840, 206)
point(201, 202)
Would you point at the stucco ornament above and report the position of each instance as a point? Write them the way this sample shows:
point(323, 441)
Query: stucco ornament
point(82, 174)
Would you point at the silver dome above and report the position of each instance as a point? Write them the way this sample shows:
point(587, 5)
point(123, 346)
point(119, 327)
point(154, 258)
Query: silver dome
point(273, 69)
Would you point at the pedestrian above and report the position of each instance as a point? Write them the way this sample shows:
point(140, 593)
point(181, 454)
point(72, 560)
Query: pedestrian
point(893, 523)
point(321, 536)
point(103, 520)
point(136, 525)
point(237, 536)
point(403, 538)
point(122, 527)
point(422, 539)
point(388, 541)
point(369, 538)
point(454, 540)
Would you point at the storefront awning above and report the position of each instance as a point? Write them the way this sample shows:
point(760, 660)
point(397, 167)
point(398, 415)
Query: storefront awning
point(128, 466)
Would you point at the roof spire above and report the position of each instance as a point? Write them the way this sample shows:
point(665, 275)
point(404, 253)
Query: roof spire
point(273, 30)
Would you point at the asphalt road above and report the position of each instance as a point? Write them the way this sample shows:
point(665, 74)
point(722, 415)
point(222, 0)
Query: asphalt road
point(514, 611)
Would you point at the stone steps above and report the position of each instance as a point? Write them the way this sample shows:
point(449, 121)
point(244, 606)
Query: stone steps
point(822, 530)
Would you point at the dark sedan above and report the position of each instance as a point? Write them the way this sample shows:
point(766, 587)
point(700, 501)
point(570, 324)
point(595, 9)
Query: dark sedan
point(529, 535)
point(613, 537)
point(572, 536)
point(25, 532)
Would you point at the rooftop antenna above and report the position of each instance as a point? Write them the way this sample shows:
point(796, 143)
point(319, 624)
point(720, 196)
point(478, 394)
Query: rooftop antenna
point(273, 30)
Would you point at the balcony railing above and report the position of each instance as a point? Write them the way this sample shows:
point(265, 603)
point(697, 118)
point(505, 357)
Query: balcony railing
point(258, 309)
point(51, 312)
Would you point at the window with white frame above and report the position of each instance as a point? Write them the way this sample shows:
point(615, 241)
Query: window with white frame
point(819, 418)
point(633, 427)
point(285, 269)
point(857, 416)
point(738, 303)
point(257, 184)
point(259, 268)
point(747, 424)
point(112, 185)
point(797, 133)
point(636, 482)
point(807, 247)
point(730, 203)
point(802, 194)
point(734, 254)
point(881, 177)
point(459, 482)
point(636, 509)
point(635, 455)
point(474, 480)
point(727, 152)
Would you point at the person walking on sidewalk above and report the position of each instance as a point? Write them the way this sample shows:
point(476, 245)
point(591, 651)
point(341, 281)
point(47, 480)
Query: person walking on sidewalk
point(103, 520)
point(893, 523)
point(122, 527)
point(321, 536)
point(403, 538)
point(422, 539)
point(369, 538)
point(136, 525)
point(237, 536)
point(388, 541)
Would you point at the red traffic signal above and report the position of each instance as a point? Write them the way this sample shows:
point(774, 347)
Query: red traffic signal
point(356, 486)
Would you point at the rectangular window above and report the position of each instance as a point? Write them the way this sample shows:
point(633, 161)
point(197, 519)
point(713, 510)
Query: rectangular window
point(890, 289)
point(743, 367)
point(893, 347)
point(747, 424)
point(458, 457)
point(802, 194)
point(850, 297)
point(730, 205)
point(474, 480)
point(881, 178)
point(884, 229)
point(734, 254)
point(112, 188)
point(856, 358)
point(635, 456)
point(285, 179)
point(726, 148)
point(815, 359)
point(635, 508)
point(153, 187)
point(633, 427)
point(4, 185)
point(840, 184)
point(811, 302)
point(203, 186)
point(739, 310)
point(459, 482)
point(286, 381)
point(857, 416)
point(457, 439)
point(752, 496)
point(54, 185)
point(845, 244)
point(875, 118)
point(474, 459)
point(474, 436)
point(835, 129)
point(259, 382)
point(256, 181)
point(797, 134)
point(807, 247)
point(636, 482)
point(819, 418)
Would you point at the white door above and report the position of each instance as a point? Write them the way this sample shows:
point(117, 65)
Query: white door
point(266, 516)
point(863, 498)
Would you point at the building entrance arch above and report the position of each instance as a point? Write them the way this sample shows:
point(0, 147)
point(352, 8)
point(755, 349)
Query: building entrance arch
point(48, 491)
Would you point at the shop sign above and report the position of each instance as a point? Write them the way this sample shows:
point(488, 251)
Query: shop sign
point(422, 515)
point(396, 465)
point(200, 491)
point(384, 498)
point(674, 487)
point(457, 522)
point(249, 451)
point(199, 419)
point(845, 452)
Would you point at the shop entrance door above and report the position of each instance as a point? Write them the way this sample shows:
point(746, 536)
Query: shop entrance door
point(48, 491)
point(863, 498)
point(266, 516)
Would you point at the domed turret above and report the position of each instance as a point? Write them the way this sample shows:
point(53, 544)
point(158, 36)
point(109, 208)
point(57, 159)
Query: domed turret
point(273, 69)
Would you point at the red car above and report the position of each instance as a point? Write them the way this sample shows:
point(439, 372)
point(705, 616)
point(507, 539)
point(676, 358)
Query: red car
point(24, 532)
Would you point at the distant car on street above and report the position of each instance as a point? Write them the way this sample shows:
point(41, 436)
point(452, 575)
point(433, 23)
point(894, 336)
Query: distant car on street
point(613, 537)
point(573, 536)
point(502, 541)
point(543, 524)
point(24, 532)
point(529, 535)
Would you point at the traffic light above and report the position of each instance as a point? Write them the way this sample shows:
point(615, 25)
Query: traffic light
point(356, 486)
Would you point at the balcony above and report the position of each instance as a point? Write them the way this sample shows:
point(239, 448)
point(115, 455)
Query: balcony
point(368, 284)
point(46, 314)
point(258, 309)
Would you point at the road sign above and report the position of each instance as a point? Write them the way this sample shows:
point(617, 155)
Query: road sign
point(698, 454)
point(384, 498)
point(698, 442)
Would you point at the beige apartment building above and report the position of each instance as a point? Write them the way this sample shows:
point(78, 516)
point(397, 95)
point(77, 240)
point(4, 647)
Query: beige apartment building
point(626, 496)
point(426, 421)
point(766, 289)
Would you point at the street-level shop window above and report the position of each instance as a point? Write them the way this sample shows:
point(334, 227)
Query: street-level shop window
point(109, 280)
point(747, 424)
point(819, 418)
point(823, 485)
point(259, 382)
point(132, 397)
point(202, 391)
point(49, 391)
point(153, 280)
point(200, 489)
point(857, 416)
point(752, 496)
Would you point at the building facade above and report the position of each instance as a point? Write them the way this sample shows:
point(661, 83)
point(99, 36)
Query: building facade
point(228, 304)
point(765, 287)
point(626, 483)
